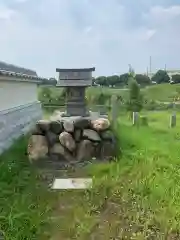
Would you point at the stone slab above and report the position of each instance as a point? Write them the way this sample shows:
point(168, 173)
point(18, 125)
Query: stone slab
point(72, 183)
point(92, 116)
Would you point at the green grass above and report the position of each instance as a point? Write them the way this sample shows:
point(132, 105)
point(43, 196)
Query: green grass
point(105, 90)
point(25, 203)
point(161, 92)
point(136, 197)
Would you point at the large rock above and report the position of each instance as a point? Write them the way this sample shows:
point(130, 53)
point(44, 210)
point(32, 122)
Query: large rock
point(91, 135)
point(100, 124)
point(67, 141)
point(85, 150)
point(108, 150)
point(77, 135)
point(82, 123)
point(52, 138)
point(68, 126)
point(43, 125)
point(36, 130)
point(58, 149)
point(108, 135)
point(56, 127)
point(37, 147)
point(97, 151)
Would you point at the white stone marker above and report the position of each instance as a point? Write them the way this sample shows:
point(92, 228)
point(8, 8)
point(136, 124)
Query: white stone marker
point(135, 118)
point(173, 117)
point(173, 120)
point(72, 183)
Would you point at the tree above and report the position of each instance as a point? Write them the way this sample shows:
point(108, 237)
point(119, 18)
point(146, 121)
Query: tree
point(46, 92)
point(101, 80)
point(160, 76)
point(123, 79)
point(143, 80)
point(53, 81)
point(135, 102)
point(45, 95)
point(94, 81)
point(113, 80)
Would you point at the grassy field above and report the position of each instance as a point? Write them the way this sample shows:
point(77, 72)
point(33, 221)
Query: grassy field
point(136, 197)
point(161, 92)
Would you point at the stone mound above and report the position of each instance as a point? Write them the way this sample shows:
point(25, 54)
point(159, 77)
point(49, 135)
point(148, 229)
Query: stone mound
point(76, 139)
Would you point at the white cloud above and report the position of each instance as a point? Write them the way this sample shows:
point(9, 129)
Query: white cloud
point(46, 34)
point(149, 33)
point(6, 13)
point(165, 12)
point(166, 42)
point(88, 29)
point(162, 16)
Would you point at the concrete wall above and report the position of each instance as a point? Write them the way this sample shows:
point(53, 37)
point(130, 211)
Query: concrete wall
point(19, 110)
point(14, 93)
point(17, 121)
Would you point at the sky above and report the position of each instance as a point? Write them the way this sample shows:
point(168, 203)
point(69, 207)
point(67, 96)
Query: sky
point(106, 34)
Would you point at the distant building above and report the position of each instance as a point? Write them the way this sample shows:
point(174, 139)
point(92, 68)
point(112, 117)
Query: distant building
point(173, 72)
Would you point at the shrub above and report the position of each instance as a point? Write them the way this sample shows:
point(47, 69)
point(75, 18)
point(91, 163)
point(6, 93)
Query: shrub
point(143, 80)
point(135, 101)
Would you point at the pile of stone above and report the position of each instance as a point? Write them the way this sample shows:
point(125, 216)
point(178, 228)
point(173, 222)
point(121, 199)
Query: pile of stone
point(72, 139)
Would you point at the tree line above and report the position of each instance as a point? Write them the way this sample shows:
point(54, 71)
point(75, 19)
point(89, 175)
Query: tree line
point(161, 76)
point(120, 81)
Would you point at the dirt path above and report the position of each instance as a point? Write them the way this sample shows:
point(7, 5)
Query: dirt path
point(63, 218)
